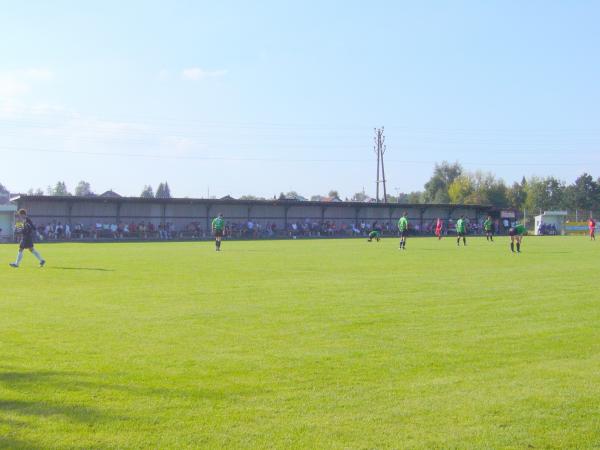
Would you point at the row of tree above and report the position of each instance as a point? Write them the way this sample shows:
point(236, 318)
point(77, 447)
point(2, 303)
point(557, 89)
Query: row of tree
point(162, 191)
point(450, 183)
point(84, 189)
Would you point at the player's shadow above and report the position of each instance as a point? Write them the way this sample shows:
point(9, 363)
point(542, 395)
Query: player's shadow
point(96, 269)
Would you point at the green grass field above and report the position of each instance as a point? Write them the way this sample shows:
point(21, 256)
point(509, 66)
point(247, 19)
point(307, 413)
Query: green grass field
point(302, 344)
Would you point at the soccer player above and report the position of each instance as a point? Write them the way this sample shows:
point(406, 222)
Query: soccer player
point(403, 228)
point(516, 233)
point(375, 233)
point(438, 228)
point(27, 235)
point(461, 230)
point(592, 226)
point(488, 227)
point(218, 226)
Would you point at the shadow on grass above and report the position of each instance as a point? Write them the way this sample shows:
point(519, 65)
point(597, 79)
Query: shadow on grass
point(32, 402)
point(81, 268)
point(8, 442)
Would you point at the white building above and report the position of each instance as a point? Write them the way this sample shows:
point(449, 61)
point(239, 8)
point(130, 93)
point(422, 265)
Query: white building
point(7, 220)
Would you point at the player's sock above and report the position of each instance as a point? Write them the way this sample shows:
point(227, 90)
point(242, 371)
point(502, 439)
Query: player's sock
point(19, 258)
point(512, 247)
point(458, 242)
point(465, 241)
point(37, 255)
point(519, 247)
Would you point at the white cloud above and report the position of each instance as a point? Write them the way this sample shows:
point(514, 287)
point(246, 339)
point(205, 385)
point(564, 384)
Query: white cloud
point(37, 74)
point(12, 87)
point(197, 73)
point(16, 83)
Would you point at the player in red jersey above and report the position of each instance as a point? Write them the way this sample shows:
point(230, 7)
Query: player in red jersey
point(438, 228)
point(592, 226)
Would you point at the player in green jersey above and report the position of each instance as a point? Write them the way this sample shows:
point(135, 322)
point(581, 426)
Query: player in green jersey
point(516, 233)
point(461, 230)
point(403, 228)
point(218, 228)
point(375, 234)
point(488, 228)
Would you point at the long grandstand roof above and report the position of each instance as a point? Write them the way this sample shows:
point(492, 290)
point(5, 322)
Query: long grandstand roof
point(287, 202)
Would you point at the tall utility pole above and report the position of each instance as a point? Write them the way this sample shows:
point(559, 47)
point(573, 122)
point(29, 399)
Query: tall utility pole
point(380, 149)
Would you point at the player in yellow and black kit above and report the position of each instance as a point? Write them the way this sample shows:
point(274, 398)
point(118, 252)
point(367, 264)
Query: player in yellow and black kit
point(27, 230)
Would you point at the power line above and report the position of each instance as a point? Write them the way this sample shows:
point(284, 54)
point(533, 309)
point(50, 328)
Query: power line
point(276, 160)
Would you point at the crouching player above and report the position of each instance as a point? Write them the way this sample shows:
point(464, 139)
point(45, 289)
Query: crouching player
point(375, 234)
point(27, 235)
point(516, 233)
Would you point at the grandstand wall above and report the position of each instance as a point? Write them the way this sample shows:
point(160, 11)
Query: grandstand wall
point(90, 211)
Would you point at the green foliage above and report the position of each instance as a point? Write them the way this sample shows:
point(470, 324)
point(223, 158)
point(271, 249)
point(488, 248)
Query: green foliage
point(583, 194)
point(414, 197)
point(516, 195)
point(60, 189)
point(147, 192)
point(479, 188)
point(544, 194)
point(460, 189)
point(251, 197)
point(301, 344)
point(83, 189)
point(163, 190)
point(436, 189)
point(360, 197)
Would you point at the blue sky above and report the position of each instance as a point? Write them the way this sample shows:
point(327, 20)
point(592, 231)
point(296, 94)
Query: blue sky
point(269, 96)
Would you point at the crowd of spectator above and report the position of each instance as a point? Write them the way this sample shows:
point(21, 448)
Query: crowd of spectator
point(547, 229)
point(250, 229)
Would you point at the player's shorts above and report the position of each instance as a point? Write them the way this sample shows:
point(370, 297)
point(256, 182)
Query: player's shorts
point(461, 234)
point(26, 243)
point(404, 233)
point(438, 231)
point(488, 231)
point(218, 233)
point(512, 232)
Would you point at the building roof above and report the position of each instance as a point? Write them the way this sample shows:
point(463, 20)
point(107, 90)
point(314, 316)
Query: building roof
point(275, 202)
point(109, 194)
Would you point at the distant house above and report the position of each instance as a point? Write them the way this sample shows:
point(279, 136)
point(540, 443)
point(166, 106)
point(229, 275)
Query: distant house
point(110, 194)
point(332, 199)
point(227, 197)
point(295, 196)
